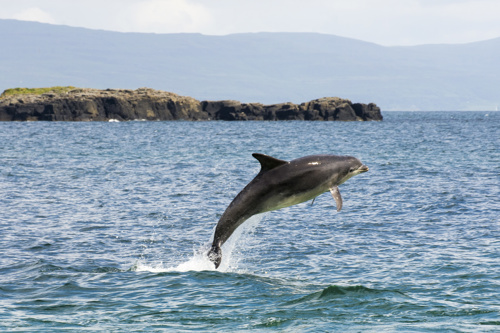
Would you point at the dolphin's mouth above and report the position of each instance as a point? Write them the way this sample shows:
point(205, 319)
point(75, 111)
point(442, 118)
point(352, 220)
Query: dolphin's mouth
point(363, 168)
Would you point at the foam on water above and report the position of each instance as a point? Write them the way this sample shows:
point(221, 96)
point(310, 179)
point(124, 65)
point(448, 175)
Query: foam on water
point(231, 253)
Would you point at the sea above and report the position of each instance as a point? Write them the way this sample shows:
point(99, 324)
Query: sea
point(104, 227)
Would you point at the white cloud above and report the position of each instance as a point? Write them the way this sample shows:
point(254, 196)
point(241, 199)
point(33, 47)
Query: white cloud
point(34, 14)
point(387, 22)
point(170, 16)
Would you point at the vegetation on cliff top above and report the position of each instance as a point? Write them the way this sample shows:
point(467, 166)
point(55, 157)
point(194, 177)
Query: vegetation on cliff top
point(35, 91)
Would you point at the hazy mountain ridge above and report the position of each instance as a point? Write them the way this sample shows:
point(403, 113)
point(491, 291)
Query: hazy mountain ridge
point(261, 67)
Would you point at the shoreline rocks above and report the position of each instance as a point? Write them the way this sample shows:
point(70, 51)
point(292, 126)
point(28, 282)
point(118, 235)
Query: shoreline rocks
point(150, 104)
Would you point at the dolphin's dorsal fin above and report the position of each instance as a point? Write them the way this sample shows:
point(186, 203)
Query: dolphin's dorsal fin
point(267, 162)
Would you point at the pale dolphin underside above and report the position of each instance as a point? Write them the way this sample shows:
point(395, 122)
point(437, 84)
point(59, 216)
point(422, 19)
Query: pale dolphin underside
point(282, 184)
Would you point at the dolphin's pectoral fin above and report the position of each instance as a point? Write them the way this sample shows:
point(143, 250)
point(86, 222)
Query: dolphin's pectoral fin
point(336, 195)
point(268, 162)
point(215, 255)
point(313, 201)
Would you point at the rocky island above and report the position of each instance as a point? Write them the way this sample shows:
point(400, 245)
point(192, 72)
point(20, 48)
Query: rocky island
point(77, 104)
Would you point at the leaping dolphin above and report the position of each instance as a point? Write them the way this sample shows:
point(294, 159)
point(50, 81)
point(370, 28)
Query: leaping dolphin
point(281, 184)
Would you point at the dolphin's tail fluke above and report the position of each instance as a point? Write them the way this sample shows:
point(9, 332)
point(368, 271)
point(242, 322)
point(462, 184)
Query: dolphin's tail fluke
point(215, 255)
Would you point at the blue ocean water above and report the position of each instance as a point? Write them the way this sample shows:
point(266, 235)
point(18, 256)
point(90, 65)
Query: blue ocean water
point(103, 228)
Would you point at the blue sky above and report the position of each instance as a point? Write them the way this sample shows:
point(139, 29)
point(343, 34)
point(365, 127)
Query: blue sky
point(385, 22)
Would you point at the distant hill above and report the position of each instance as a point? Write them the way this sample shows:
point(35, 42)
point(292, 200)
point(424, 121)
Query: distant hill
point(255, 67)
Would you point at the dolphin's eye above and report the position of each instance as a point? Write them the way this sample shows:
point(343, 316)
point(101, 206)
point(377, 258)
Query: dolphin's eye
point(352, 169)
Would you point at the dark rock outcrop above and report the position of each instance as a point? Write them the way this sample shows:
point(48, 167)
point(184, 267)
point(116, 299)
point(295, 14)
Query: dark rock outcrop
point(149, 104)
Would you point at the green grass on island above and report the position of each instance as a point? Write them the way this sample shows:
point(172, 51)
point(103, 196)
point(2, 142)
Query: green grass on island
point(35, 91)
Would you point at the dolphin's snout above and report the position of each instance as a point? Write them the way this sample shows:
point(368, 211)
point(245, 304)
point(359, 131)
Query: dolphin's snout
point(363, 168)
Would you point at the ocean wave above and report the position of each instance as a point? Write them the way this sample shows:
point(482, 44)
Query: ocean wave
point(354, 292)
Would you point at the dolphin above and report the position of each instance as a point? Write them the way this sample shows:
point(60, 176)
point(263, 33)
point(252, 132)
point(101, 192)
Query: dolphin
point(281, 184)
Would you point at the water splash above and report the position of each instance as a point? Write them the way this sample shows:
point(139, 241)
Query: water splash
point(198, 262)
point(232, 253)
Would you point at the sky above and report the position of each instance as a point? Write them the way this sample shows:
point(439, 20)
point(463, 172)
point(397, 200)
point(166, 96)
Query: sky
point(384, 22)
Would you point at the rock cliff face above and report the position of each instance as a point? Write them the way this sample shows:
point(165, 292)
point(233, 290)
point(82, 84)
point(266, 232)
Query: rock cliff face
point(149, 104)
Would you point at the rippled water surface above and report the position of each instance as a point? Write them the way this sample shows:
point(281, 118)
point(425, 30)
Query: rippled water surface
point(103, 228)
